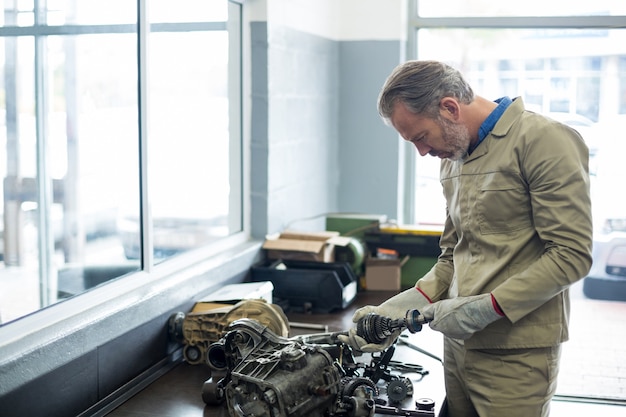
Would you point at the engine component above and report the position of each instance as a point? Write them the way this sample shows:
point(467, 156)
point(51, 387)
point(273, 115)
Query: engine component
point(403, 367)
point(213, 391)
point(396, 411)
point(399, 389)
point(197, 331)
point(266, 375)
point(274, 376)
point(424, 404)
point(378, 368)
point(357, 386)
point(357, 397)
point(375, 328)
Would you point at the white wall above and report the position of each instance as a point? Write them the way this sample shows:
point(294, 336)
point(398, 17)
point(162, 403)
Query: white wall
point(318, 144)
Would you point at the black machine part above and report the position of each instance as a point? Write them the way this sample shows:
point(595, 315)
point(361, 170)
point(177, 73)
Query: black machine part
point(399, 389)
point(396, 411)
point(375, 328)
point(266, 375)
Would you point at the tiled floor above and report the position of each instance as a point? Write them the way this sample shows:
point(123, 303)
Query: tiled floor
point(571, 409)
point(594, 359)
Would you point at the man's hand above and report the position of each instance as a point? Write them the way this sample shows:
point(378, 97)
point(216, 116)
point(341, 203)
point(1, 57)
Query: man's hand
point(461, 317)
point(394, 308)
point(360, 344)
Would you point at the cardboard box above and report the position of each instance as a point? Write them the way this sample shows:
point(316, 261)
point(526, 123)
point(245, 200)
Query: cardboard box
point(383, 274)
point(420, 242)
point(304, 246)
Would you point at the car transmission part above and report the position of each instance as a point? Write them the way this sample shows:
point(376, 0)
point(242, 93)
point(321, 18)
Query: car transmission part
point(375, 328)
point(197, 331)
point(266, 375)
point(399, 389)
point(274, 376)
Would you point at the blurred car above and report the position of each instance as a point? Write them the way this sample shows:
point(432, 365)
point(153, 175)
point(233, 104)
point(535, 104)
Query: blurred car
point(607, 278)
point(171, 234)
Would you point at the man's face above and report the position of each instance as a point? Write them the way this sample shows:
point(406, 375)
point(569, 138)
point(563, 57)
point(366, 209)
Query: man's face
point(439, 137)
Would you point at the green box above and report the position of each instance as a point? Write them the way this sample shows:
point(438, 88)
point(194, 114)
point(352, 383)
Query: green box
point(353, 224)
point(414, 269)
point(421, 244)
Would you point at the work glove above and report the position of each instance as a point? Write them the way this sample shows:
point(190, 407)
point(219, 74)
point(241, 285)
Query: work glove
point(461, 317)
point(393, 308)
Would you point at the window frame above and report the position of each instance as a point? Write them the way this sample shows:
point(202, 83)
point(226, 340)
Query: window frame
point(40, 31)
point(416, 22)
point(65, 331)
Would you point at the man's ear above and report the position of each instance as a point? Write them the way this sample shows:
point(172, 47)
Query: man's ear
point(449, 108)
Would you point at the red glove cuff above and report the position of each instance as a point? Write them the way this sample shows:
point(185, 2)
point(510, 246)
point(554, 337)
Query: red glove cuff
point(496, 306)
point(425, 296)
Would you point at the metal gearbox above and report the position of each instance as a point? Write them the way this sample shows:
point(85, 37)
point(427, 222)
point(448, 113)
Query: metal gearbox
point(269, 375)
point(198, 330)
point(266, 375)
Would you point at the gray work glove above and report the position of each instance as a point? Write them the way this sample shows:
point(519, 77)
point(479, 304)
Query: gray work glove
point(361, 345)
point(394, 308)
point(461, 317)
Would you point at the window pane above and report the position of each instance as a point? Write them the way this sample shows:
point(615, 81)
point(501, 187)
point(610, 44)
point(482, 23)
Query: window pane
point(88, 132)
point(19, 288)
point(555, 70)
point(622, 84)
point(91, 12)
point(188, 11)
point(468, 8)
point(18, 14)
point(70, 143)
point(89, 127)
point(94, 114)
point(577, 77)
point(189, 153)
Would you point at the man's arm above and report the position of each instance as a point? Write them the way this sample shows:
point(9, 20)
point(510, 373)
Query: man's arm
point(436, 282)
point(556, 169)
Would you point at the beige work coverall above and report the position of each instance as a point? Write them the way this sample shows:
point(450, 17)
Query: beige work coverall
point(519, 226)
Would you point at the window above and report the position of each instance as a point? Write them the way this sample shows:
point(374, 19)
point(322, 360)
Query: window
point(622, 85)
point(121, 147)
point(491, 8)
point(569, 68)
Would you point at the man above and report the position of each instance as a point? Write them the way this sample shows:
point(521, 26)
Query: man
point(518, 233)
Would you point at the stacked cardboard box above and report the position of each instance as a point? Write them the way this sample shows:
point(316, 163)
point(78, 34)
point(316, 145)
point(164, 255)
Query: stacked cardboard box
point(304, 246)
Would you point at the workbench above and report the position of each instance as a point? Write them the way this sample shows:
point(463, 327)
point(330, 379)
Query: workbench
point(178, 392)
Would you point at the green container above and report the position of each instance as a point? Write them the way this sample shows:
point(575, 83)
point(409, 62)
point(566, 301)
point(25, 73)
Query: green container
point(353, 224)
point(421, 245)
point(415, 268)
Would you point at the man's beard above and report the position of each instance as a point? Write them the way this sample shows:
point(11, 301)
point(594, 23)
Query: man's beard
point(457, 139)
